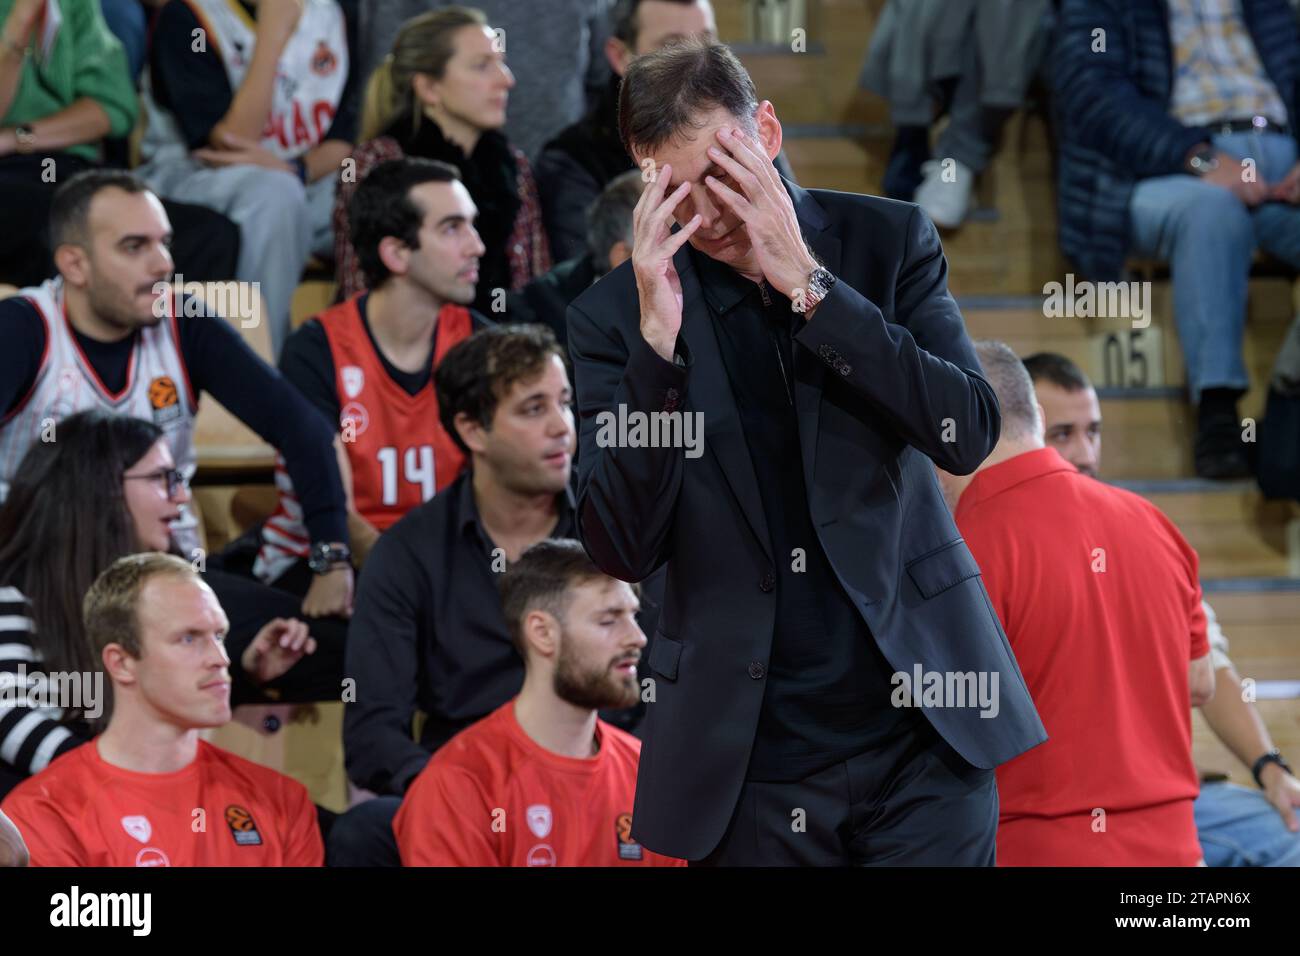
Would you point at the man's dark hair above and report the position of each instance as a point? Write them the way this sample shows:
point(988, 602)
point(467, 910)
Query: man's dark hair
point(476, 373)
point(541, 580)
point(1012, 385)
point(1058, 370)
point(382, 206)
point(609, 220)
point(626, 23)
point(664, 93)
point(70, 207)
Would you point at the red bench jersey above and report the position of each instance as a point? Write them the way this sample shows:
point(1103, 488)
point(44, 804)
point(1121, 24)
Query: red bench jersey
point(399, 452)
point(221, 810)
point(493, 796)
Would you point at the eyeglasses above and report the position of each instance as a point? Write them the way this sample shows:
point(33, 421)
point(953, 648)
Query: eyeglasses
point(174, 478)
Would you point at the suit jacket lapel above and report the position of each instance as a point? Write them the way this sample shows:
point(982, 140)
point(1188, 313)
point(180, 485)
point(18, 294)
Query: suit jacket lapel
point(809, 370)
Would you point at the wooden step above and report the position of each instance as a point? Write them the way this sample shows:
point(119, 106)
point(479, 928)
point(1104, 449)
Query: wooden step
point(1234, 529)
point(819, 85)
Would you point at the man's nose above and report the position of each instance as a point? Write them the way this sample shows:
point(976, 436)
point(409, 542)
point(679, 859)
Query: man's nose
point(476, 246)
point(162, 260)
point(703, 205)
point(217, 656)
point(1083, 453)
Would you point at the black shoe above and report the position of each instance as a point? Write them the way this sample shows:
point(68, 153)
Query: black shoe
point(1220, 454)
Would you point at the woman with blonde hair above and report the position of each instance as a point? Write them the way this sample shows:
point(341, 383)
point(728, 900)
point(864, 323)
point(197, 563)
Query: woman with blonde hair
point(441, 94)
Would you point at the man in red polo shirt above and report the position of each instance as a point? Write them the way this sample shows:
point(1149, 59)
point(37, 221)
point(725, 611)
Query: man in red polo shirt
point(543, 781)
point(367, 363)
point(1099, 596)
point(148, 791)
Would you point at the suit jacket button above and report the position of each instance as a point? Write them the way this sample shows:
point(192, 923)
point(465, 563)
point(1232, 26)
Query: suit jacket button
point(757, 670)
point(768, 583)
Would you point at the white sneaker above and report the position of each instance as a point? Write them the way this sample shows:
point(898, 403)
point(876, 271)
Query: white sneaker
point(945, 192)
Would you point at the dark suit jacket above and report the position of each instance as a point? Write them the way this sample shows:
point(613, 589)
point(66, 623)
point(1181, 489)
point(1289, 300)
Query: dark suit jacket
point(886, 382)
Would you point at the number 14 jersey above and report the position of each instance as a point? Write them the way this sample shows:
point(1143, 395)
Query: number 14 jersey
point(398, 451)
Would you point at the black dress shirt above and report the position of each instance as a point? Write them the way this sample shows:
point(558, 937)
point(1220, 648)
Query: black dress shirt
point(828, 685)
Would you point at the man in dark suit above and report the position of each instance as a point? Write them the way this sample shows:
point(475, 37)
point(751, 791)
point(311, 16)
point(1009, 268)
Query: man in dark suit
point(813, 572)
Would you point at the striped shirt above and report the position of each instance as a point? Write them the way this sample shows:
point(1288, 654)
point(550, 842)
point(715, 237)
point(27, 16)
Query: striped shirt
point(30, 736)
point(1218, 75)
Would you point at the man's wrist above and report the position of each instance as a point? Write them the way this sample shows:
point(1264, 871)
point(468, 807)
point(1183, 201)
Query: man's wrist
point(8, 141)
point(327, 556)
point(1267, 765)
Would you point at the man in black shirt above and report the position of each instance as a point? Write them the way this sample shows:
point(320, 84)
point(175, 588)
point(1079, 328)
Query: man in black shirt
point(428, 634)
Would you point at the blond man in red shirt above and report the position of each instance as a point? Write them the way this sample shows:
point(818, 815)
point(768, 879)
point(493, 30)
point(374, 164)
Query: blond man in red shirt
point(1101, 602)
point(542, 780)
point(148, 791)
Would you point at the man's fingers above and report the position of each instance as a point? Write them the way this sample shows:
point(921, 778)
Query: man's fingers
point(747, 181)
point(741, 206)
point(753, 156)
point(661, 218)
point(679, 238)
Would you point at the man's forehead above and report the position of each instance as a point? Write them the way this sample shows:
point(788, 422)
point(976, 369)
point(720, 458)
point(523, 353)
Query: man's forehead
point(442, 199)
point(127, 213)
point(688, 149)
point(1063, 405)
point(173, 602)
point(552, 378)
point(605, 592)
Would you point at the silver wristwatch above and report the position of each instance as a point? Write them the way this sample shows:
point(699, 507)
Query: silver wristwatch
point(819, 284)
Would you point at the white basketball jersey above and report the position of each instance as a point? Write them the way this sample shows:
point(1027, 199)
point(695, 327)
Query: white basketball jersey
point(309, 78)
point(157, 388)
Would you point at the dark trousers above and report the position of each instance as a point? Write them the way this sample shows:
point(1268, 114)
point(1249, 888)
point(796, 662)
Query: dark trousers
point(205, 244)
point(364, 835)
point(914, 802)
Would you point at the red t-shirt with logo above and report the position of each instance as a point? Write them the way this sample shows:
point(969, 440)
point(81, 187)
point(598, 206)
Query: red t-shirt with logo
point(221, 810)
point(493, 796)
point(1101, 602)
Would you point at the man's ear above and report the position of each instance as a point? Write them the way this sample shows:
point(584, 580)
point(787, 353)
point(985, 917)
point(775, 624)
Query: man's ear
point(541, 633)
point(394, 254)
point(619, 56)
point(118, 664)
point(471, 432)
point(73, 264)
point(1040, 427)
point(769, 128)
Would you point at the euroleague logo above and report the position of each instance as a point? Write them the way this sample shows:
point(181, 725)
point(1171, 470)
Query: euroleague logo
point(242, 827)
point(628, 849)
point(164, 399)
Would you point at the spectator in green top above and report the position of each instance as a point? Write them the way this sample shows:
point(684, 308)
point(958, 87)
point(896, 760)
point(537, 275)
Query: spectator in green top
point(63, 89)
